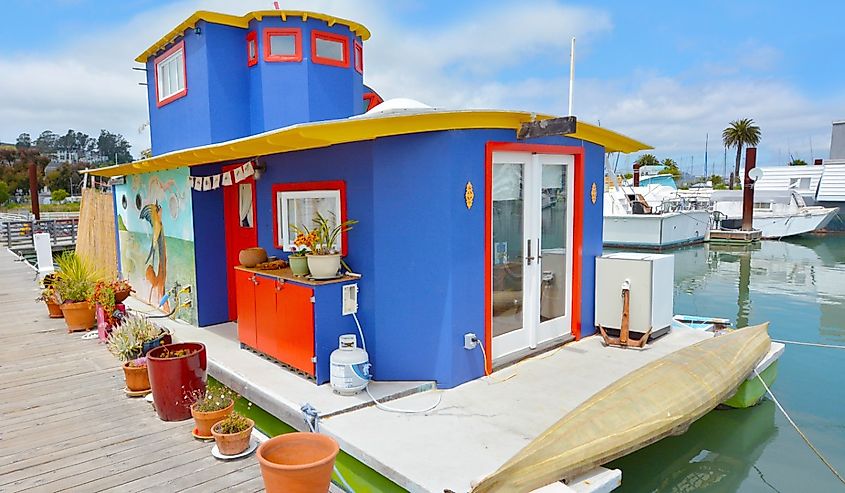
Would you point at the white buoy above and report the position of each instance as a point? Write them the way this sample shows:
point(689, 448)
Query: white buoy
point(350, 367)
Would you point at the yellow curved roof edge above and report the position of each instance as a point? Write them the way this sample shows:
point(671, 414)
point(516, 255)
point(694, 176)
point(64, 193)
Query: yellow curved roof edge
point(243, 22)
point(313, 135)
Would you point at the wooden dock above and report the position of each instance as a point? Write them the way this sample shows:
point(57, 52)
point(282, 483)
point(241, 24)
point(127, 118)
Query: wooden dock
point(65, 423)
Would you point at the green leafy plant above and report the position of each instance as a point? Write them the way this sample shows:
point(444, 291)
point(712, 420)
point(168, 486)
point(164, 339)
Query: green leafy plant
point(48, 289)
point(234, 423)
point(76, 278)
point(212, 399)
point(321, 239)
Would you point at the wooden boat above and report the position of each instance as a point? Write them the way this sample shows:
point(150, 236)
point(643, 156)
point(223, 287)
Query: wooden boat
point(660, 399)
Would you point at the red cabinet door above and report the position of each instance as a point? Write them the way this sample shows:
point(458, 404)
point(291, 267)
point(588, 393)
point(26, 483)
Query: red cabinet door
point(246, 307)
point(295, 314)
point(266, 324)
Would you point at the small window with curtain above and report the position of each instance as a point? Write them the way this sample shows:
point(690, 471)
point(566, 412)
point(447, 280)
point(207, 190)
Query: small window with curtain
point(252, 49)
point(170, 76)
point(297, 204)
point(329, 49)
point(282, 45)
point(359, 57)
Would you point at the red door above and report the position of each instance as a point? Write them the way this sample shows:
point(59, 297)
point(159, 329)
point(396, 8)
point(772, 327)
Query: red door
point(241, 232)
point(295, 319)
point(246, 304)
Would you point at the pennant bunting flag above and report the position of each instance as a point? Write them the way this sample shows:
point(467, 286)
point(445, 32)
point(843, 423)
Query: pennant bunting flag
point(239, 174)
point(206, 183)
point(190, 182)
point(226, 179)
point(248, 169)
point(198, 184)
point(215, 182)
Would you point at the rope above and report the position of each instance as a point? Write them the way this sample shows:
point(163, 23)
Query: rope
point(814, 344)
point(803, 436)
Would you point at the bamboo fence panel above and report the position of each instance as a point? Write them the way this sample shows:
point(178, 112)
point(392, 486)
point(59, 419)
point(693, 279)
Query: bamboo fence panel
point(96, 237)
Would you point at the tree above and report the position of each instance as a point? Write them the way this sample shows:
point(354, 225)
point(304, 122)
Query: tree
point(797, 162)
point(113, 147)
point(4, 193)
point(740, 133)
point(671, 167)
point(647, 160)
point(718, 182)
point(24, 141)
point(65, 177)
point(14, 166)
point(46, 142)
point(57, 196)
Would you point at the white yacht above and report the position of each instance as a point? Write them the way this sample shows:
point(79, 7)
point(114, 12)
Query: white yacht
point(777, 214)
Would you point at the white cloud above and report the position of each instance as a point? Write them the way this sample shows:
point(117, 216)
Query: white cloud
point(514, 56)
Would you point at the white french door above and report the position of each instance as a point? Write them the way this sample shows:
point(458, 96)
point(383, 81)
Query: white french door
point(532, 258)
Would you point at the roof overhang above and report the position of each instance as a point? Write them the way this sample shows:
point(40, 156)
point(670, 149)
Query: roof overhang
point(313, 135)
point(243, 22)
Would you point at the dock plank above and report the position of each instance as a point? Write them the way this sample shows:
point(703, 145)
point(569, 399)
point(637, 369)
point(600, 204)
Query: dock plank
point(66, 424)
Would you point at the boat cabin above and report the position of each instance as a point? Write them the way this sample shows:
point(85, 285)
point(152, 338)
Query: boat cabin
point(258, 122)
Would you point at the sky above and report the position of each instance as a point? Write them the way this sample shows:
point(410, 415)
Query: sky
point(667, 73)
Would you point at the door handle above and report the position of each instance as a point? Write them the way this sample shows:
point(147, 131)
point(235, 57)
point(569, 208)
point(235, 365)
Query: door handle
point(539, 252)
point(529, 258)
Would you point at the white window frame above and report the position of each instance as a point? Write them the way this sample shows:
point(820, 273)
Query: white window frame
point(283, 222)
point(170, 64)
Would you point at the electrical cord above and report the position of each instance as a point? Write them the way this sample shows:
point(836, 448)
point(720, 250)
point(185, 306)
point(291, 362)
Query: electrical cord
point(483, 355)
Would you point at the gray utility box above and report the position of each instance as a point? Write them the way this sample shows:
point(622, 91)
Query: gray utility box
point(651, 277)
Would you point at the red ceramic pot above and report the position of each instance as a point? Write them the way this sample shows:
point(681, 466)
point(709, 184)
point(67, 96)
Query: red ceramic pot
point(174, 380)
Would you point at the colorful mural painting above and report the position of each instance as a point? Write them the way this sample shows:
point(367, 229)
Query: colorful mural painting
point(157, 237)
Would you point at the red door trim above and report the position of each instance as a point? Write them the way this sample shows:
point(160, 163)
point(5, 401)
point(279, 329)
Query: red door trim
point(230, 215)
point(577, 231)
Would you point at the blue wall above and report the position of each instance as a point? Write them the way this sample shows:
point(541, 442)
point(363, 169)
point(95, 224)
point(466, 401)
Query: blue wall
point(210, 251)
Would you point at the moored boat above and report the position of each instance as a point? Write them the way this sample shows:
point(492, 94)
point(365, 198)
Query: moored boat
point(776, 214)
point(660, 399)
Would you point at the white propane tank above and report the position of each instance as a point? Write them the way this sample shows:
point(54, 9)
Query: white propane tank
point(350, 367)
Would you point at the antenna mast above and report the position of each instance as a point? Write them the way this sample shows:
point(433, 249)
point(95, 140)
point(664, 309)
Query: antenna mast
point(571, 73)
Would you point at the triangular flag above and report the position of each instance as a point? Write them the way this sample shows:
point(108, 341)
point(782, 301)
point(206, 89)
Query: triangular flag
point(239, 174)
point(226, 179)
point(215, 182)
point(206, 183)
point(248, 169)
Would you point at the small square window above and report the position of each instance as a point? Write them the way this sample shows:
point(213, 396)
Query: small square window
point(170, 79)
point(359, 57)
point(329, 49)
point(282, 45)
point(252, 48)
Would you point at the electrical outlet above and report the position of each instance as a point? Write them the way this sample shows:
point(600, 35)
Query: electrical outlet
point(350, 299)
point(470, 341)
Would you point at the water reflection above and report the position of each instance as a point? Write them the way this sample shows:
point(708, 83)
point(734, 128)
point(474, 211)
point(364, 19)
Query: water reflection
point(716, 454)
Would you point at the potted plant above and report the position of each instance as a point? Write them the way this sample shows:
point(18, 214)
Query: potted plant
point(48, 296)
point(74, 285)
point(176, 372)
point(123, 343)
point(232, 434)
point(297, 261)
point(324, 259)
point(106, 296)
point(209, 407)
point(297, 462)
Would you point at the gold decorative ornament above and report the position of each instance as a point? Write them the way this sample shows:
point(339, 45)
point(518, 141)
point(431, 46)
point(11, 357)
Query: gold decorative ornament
point(593, 193)
point(469, 195)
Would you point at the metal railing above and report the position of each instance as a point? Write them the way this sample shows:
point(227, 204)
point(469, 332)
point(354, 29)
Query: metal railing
point(17, 234)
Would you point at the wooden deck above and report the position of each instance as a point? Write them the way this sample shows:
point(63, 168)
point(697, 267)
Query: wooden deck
point(65, 423)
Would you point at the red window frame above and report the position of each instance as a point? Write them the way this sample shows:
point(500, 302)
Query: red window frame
point(173, 97)
point(309, 186)
point(283, 31)
point(358, 55)
point(251, 40)
point(315, 35)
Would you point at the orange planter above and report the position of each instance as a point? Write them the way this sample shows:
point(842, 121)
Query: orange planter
point(297, 462)
point(137, 378)
point(205, 420)
point(79, 316)
point(54, 309)
point(120, 296)
point(232, 443)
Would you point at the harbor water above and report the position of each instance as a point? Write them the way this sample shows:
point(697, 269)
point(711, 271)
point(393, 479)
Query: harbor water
point(798, 286)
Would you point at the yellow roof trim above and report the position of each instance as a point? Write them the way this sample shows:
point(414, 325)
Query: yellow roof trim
point(326, 133)
point(243, 22)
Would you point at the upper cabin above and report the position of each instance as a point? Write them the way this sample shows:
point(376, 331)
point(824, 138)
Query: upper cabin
point(218, 77)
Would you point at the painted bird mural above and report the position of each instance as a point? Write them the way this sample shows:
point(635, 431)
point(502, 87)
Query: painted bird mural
point(152, 214)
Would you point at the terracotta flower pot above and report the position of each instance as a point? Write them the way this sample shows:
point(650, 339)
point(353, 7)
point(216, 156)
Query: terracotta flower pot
point(54, 309)
point(297, 462)
point(232, 443)
point(323, 266)
point(79, 316)
point(174, 380)
point(120, 296)
point(206, 420)
point(137, 378)
point(250, 257)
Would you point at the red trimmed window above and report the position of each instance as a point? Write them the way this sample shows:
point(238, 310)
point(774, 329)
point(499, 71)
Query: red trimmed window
point(251, 49)
point(170, 75)
point(282, 45)
point(329, 49)
point(298, 203)
point(359, 56)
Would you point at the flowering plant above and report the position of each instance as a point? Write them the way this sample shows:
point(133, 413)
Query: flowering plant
point(211, 399)
point(104, 295)
point(48, 289)
point(322, 238)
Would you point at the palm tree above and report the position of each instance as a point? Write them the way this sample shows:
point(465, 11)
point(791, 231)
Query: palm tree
point(738, 134)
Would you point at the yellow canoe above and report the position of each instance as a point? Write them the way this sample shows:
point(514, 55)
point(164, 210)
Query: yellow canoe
point(660, 399)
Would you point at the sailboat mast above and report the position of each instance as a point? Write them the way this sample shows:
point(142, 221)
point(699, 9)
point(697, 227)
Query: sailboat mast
point(571, 73)
point(706, 142)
